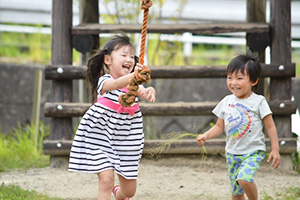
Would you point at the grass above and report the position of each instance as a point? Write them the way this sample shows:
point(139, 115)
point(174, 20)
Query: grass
point(12, 192)
point(18, 151)
point(18, 148)
point(290, 193)
point(173, 138)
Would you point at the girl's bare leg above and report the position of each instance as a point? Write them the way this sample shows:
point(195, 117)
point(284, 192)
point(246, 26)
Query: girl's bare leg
point(127, 188)
point(250, 189)
point(106, 184)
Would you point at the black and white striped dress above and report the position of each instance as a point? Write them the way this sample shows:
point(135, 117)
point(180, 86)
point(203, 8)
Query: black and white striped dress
point(108, 140)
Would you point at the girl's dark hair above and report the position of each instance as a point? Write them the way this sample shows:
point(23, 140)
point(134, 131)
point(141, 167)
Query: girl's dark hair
point(245, 62)
point(95, 65)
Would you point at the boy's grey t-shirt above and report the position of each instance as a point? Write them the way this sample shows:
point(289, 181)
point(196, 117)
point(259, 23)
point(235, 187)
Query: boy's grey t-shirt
point(243, 123)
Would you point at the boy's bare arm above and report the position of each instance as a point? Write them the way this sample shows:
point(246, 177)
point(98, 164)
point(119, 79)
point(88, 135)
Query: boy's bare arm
point(272, 133)
point(213, 132)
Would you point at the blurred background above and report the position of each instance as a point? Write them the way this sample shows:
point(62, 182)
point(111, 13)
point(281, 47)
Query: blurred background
point(25, 47)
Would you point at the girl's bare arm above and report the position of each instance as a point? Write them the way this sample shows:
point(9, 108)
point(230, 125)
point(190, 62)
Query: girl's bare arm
point(115, 84)
point(120, 82)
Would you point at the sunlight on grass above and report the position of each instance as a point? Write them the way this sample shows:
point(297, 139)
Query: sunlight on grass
point(18, 148)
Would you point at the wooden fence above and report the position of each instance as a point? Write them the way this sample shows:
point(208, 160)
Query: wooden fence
point(276, 34)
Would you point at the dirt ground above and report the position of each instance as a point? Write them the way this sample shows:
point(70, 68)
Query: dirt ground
point(159, 178)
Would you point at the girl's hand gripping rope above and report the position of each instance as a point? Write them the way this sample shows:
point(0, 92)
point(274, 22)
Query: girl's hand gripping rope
point(141, 75)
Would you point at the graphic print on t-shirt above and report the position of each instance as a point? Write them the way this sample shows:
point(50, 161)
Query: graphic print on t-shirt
point(239, 121)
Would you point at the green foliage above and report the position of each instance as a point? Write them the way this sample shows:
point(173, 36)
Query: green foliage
point(8, 192)
point(18, 148)
point(128, 10)
point(161, 53)
point(296, 161)
point(27, 48)
point(22, 47)
point(296, 60)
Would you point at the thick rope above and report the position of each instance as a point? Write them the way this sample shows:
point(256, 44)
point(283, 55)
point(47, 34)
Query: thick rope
point(143, 75)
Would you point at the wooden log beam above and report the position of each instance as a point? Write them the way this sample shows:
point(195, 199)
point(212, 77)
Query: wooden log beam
point(66, 72)
point(161, 109)
point(188, 146)
point(95, 28)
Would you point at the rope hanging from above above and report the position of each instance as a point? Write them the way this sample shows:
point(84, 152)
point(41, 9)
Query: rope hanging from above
point(143, 75)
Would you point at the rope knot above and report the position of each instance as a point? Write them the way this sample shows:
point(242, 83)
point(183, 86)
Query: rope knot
point(143, 75)
point(146, 4)
point(140, 77)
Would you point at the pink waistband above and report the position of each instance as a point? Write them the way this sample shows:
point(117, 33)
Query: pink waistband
point(117, 107)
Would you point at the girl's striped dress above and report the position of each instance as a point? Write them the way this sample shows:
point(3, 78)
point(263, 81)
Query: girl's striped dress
point(109, 136)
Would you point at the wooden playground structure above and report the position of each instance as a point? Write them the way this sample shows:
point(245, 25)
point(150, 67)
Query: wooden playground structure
point(85, 36)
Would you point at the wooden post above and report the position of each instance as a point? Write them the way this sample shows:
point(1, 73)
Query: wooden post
point(280, 88)
point(256, 12)
point(61, 128)
point(89, 13)
point(35, 119)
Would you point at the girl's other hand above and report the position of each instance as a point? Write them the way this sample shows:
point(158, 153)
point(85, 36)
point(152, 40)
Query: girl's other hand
point(201, 139)
point(149, 94)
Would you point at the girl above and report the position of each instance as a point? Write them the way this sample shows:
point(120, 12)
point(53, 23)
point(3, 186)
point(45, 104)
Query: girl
point(241, 115)
point(110, 137)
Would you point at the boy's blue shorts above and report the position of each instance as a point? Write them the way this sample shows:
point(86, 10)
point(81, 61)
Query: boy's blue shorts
point(243, 167)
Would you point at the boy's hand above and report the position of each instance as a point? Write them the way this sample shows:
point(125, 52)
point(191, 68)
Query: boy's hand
point(276, 159)
point(201, 139)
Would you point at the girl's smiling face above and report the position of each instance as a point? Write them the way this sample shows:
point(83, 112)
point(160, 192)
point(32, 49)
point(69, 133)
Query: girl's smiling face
point(239, 84)
point(120, 62)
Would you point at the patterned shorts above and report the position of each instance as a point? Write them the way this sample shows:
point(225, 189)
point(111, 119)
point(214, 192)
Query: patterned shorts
point(243, 167)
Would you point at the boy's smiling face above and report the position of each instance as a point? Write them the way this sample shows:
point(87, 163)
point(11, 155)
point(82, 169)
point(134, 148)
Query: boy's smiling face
point(239, 84)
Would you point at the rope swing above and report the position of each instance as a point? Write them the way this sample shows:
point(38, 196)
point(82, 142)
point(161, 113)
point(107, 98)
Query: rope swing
point(143, 75)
